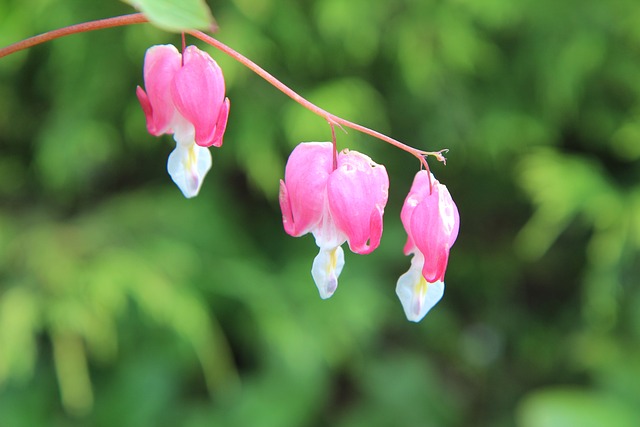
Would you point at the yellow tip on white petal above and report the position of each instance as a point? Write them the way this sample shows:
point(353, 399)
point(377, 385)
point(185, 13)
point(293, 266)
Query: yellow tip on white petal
point(326, 268)
point(416, 294)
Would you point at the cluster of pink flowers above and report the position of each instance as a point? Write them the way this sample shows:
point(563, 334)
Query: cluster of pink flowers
point(337, 197)
point(343, 200)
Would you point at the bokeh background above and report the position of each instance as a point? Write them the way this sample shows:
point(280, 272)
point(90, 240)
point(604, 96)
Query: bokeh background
point(124, 304)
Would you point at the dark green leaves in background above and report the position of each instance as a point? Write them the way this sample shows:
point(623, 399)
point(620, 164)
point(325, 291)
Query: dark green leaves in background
point(122, 303)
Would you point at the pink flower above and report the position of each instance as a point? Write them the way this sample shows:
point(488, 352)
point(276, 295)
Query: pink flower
point(338, 205)
point(185, 97)
point(431, 220)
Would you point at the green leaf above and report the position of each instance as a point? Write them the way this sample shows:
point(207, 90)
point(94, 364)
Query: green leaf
point(176, 15)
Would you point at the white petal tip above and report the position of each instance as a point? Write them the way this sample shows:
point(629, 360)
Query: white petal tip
point(188, 165)
point(417, 295)
point(327, 290)
point(326, 269)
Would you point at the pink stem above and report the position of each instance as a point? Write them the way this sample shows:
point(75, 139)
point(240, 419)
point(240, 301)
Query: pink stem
point(332, 119)
point(335, 145)
point(100, 24)
point(184, 47)
point(138, 18)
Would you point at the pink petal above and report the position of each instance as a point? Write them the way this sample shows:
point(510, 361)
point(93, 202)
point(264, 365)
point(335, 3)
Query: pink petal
point(433, 226)
point(198, 92)
point(146, 106)
point(357, 193)
point(285, 207)
point(303, 192)
point(160, 66)
point(419, 190)
point(221, 124)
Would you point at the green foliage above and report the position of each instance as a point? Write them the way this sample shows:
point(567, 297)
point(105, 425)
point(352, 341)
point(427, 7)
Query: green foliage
point(566, 407)
point(122, 303)
point(176, 15)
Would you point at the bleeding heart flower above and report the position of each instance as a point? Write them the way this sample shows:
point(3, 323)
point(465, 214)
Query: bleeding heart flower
point(337, 204)
point(185, 97)
point(431, 220)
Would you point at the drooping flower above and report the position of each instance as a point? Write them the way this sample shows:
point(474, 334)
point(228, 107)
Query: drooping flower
point(185, 96)
point(336, 205)
point(431, 220)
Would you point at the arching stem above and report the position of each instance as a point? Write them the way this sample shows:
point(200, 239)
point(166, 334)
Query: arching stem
point(138, 18)
point(101, 24)
point(332, 119)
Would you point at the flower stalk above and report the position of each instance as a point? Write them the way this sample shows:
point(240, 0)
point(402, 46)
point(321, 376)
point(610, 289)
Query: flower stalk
point(100, 24)
point(138, 18)
point(331, 118)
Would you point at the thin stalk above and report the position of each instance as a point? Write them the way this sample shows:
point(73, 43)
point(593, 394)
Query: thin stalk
point(100, 24)
point(332, 119)
point(138, 18)
point(335, 145)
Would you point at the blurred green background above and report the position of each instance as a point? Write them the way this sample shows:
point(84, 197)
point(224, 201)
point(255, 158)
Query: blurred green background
point(124, 304)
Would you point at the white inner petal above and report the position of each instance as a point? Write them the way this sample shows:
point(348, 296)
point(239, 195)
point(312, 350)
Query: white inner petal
point(183, 131)
point(326, 269)
point(416, 295)
point(326, 233)
point(188, 165)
